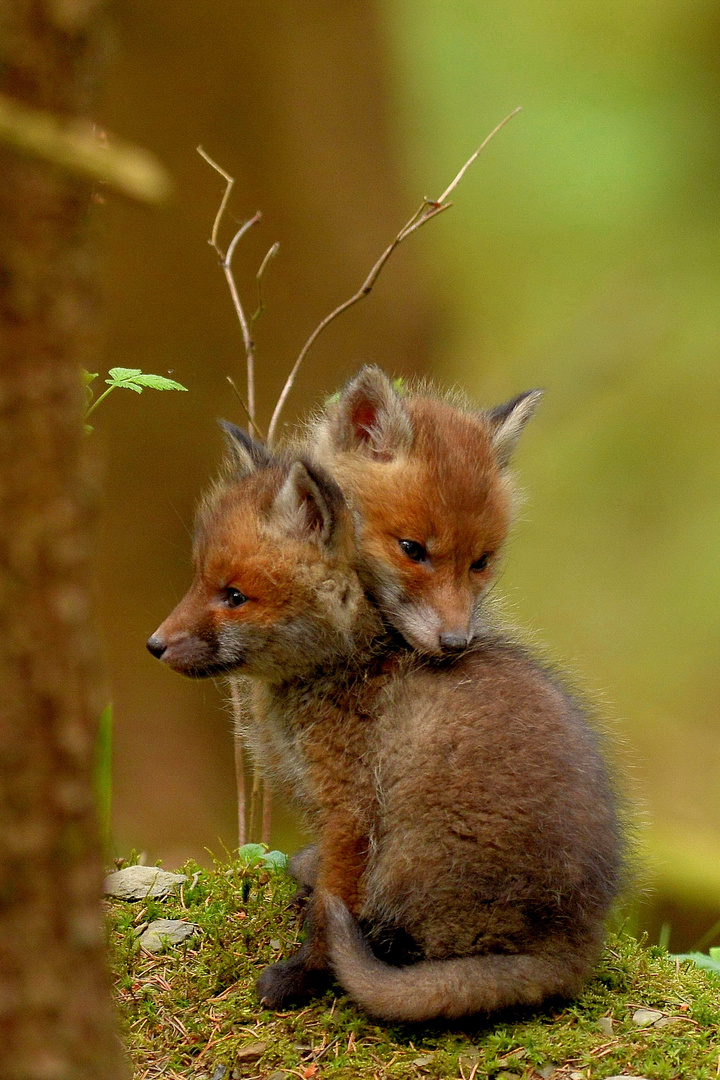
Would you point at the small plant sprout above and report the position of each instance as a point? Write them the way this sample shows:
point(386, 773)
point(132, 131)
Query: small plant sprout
point(124, 378)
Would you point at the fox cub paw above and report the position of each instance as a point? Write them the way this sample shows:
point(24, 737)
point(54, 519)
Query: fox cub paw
point(290, 981)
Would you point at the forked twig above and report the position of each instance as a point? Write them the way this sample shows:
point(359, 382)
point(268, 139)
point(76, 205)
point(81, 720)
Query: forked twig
point(226, 264)
point(428, 209)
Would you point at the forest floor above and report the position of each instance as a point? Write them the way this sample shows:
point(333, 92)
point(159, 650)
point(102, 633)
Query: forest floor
point(191, 1011)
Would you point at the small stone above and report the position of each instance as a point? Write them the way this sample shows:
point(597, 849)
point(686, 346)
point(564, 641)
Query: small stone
point(251, 1051)
point(669, 1021)
point(624, 1076)
point(165, 933)
point(468, 1059)
point(577, 1076)
point(220, 1071)
point(545, 1071)
point(142, 883)
point(279, 1075)
point(275, 945)
point(605, 1025)
point(423, 1062)
point(646, 1017)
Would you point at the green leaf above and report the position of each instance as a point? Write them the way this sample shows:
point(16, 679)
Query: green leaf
point(125, 384)
point(715, 953)
point(276, 860)
point(121, 374)
point(158, 382)
point(252, 853)
point(88, 376)
point(135, 379)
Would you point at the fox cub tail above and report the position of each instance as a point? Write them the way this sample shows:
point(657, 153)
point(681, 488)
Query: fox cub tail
point(454, 987)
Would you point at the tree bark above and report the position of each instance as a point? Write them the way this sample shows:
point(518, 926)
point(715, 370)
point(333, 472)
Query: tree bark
point(55, 1015)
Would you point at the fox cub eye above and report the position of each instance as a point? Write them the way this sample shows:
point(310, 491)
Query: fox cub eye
point(234, 598)
point(413, 550)
point(481, 563)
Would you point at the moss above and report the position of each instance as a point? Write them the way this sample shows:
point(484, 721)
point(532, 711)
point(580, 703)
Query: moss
point(187, 1011)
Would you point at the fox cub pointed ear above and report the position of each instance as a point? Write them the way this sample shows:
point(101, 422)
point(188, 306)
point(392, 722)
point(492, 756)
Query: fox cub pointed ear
point(507, 422)
point(310, 505)
point(371, 417)
point(245, 455)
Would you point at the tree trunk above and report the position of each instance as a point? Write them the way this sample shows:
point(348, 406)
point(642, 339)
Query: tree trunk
point(55, 1017)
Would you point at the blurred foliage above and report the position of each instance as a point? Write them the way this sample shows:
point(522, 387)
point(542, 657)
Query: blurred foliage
point(583, 256)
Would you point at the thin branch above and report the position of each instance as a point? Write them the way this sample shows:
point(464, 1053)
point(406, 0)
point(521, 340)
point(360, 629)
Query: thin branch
point(259, 278)
point(243, 402)
point(226, 264)
point(479, 151)
point(266, 815)
point(248, 341)
point(239, 762)
point(428, 209)
point(221, 210)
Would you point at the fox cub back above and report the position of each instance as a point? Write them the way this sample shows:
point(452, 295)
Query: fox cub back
point(430, 486)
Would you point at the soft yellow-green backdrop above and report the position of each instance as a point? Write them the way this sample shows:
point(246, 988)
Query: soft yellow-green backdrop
point(584, 256)
point(581, 255)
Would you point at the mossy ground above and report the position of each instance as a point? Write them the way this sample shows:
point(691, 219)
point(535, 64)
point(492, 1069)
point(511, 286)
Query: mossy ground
point(192, 1011)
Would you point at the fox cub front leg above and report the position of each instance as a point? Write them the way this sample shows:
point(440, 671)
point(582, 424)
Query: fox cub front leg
point(307, 973)
point(336, 866)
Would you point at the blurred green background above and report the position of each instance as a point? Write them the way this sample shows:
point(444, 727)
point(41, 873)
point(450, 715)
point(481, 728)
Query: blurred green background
point(582, 255)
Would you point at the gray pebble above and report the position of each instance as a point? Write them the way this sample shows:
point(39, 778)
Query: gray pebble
point(646, 1017)
point(142, 883)
point(164, 933)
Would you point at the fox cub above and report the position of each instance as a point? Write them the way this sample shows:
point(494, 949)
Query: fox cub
point(468, 840)
point(433, 499)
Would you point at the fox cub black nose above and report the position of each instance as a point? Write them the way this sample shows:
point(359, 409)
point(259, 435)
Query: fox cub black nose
point(156, 646)
point(449, 641)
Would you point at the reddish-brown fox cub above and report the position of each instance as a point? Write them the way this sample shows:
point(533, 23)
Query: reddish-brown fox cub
point(468, 841)
point(429, 483)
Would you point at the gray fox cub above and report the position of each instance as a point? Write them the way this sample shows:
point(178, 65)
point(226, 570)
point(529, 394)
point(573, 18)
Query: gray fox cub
point(468, 840)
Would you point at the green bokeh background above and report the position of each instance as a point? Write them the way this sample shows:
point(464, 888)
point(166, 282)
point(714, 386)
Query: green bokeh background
point(583, 257)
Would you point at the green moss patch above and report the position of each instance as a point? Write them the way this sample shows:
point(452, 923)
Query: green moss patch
point(192, 1012)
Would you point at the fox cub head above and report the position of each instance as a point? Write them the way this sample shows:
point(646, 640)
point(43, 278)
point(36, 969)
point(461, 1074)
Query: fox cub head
point(274, 589)
point(432, 496)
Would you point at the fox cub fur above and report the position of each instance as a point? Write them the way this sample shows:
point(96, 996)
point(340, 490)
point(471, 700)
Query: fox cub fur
point(468, 839)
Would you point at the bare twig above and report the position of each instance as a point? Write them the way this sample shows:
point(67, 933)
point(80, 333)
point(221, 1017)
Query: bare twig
point(428, 209)
point(221, 209)
point(239, 762)
point(243, 402)
point(226, 264)
point(255, 804)
point(259, 278)
point(479, 151)
point(266, 815)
